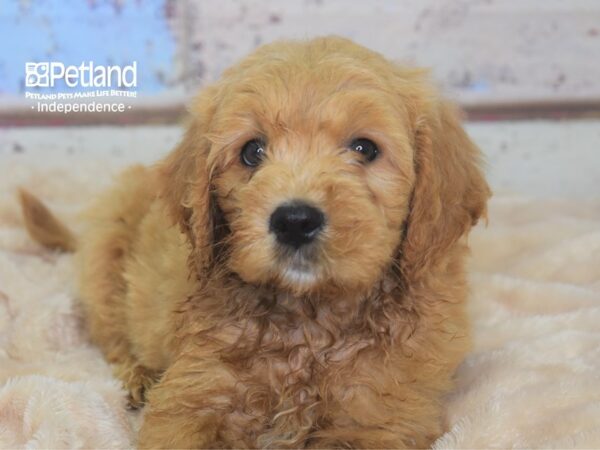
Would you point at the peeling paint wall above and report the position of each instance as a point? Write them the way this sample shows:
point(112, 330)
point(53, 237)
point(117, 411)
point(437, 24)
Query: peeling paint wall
point(479, 50)
point(75, 31)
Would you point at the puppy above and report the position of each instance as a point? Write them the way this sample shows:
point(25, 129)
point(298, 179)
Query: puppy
point(292, 274)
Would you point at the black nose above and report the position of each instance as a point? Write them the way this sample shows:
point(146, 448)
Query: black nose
point(296, 224)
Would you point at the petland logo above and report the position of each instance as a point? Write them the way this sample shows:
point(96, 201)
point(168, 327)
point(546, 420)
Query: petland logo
point(104, 89)
point(86, 75)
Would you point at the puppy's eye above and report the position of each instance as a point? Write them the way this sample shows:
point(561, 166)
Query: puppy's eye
point(366, 147)
point(253, 153)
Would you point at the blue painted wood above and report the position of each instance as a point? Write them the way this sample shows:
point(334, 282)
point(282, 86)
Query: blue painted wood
point(76, 31)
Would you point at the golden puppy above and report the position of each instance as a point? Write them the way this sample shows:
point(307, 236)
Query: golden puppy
point(291, 275)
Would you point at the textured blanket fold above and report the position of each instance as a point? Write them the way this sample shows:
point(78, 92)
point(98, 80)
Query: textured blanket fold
point(532, 380)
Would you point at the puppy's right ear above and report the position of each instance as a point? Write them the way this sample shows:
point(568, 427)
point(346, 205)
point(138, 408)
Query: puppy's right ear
point(184, 180)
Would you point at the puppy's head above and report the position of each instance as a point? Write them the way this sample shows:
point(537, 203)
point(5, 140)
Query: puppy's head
point(321, 164)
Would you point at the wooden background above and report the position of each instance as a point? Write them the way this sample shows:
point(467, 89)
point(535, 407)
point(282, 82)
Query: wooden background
point(498, 58)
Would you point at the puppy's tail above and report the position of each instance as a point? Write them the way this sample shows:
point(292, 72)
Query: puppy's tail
point(43, 227)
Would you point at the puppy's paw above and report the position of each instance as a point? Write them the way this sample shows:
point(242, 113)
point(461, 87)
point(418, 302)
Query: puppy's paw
point(137, 380)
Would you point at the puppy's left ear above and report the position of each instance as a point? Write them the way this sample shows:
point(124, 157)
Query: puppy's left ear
point(450, 194)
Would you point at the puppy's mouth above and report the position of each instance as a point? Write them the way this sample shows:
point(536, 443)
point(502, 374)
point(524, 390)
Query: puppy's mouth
point(298, 227)
point(299, 267)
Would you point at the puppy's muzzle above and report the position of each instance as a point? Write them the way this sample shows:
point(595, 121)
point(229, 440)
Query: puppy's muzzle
point(296, 224)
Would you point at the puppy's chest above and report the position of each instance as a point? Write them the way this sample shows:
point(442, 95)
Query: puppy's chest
point(293, 372)
point(294, 356)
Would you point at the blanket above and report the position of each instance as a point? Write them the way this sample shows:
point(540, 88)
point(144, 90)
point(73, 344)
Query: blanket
point(532, 379)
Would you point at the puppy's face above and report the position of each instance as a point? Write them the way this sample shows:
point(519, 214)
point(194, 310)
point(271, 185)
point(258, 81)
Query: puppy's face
point(312, 169)
point(308, 151)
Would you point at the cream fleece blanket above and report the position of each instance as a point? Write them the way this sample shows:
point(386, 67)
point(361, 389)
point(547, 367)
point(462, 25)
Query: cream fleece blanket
point(533, 379)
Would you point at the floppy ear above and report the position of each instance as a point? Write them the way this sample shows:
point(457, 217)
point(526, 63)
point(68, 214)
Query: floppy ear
point(450, 194)
point(185, 184)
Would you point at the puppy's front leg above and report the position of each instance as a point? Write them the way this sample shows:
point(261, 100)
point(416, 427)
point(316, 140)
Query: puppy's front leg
point(186, 409)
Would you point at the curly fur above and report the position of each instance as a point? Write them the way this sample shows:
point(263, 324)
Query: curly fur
point(187, 293)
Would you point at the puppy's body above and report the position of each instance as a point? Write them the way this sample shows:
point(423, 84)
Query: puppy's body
point(350, 341)
point(317, 374)
point(133, 269)
point(333, 372)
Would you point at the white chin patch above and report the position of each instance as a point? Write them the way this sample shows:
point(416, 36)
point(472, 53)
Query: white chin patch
point(299, 276)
